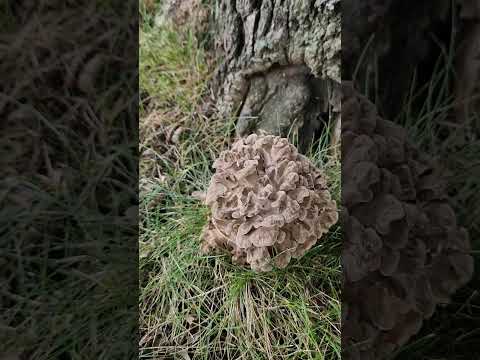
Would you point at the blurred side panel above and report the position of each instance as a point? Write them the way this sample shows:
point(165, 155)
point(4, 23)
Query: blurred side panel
point(409, 179)
point(68, 184)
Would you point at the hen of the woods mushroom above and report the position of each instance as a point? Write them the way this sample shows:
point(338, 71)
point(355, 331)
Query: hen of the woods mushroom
point(268, 203)
point(403, 252)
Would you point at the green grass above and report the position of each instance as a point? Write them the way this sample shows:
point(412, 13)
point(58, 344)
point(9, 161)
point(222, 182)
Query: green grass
point(195, 306)
point(211, 309)
point(173, 66)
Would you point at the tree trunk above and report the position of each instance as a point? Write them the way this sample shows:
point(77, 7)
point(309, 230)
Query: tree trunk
point(281, 64)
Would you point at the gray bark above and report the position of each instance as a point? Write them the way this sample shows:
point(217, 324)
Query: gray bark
point(281, 64)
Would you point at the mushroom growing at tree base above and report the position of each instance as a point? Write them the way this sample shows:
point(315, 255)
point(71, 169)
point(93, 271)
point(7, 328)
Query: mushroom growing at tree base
point(268, 203)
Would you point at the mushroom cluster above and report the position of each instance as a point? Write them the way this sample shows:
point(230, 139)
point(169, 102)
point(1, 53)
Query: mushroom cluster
point(403, 251)
point(268, 203)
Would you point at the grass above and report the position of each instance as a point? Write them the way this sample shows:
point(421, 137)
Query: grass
point(208, 308)
point(172, 76)
point(66, 237)
point(195, 306)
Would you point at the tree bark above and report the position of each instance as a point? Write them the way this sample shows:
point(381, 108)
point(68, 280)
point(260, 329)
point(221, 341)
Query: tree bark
point(281, 64)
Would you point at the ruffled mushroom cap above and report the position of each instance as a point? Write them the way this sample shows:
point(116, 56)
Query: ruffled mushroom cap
point(403, 251)
point(268, 202)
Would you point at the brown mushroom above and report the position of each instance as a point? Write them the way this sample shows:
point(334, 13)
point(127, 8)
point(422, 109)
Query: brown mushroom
point(268, 203)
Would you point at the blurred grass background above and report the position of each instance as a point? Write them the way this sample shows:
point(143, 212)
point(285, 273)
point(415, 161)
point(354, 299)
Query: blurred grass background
point(68, 202)
point(429, 116)
point(194, 306)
